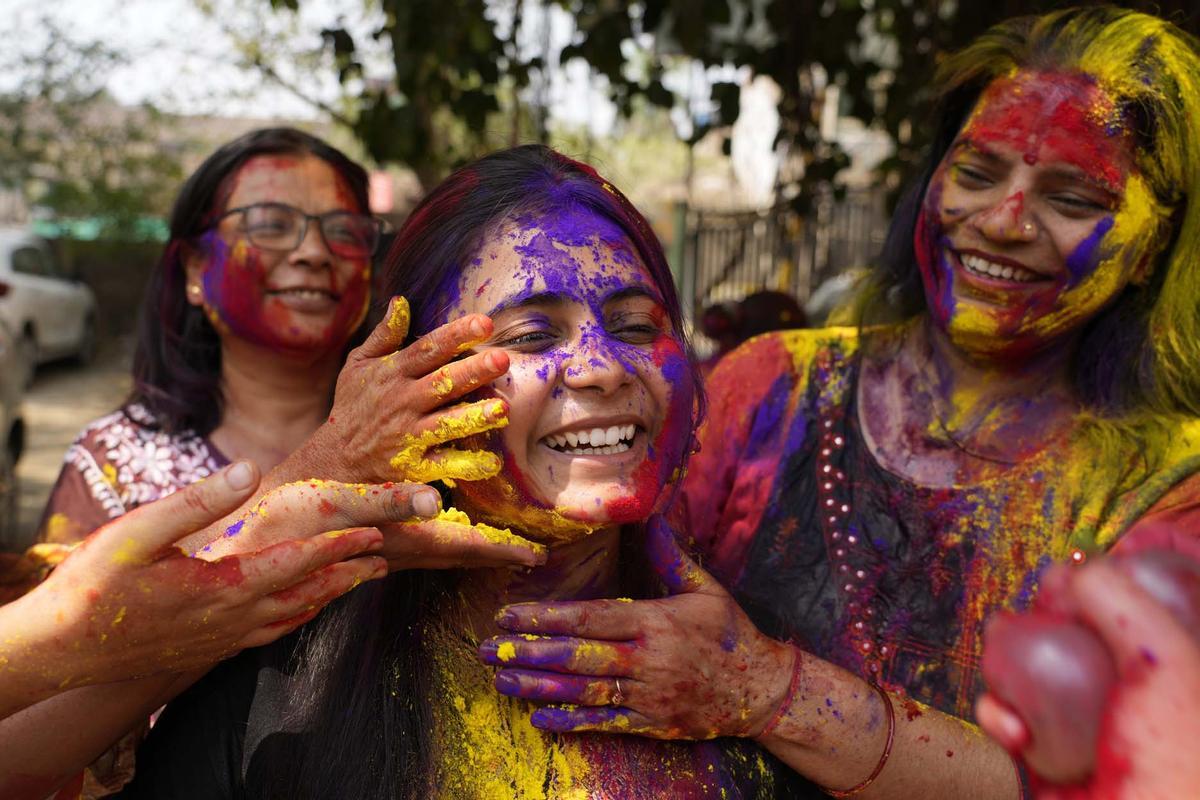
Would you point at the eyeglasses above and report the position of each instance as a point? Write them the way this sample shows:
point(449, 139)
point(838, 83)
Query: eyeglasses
point(278, 226)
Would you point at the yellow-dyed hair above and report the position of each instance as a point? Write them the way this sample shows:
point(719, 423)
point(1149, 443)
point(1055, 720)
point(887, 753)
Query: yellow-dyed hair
point(1151, 69)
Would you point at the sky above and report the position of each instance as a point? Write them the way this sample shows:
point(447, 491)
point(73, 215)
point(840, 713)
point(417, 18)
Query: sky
point(182, 61)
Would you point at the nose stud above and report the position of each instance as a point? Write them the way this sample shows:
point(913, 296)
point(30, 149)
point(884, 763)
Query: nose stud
point(1027, 228)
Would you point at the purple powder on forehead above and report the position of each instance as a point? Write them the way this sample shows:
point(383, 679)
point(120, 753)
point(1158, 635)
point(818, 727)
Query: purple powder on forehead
point(1087, 255)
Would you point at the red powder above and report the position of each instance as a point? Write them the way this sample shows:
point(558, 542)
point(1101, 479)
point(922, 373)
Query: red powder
point(1053, 115)
point(911, 709)
point(327, 508)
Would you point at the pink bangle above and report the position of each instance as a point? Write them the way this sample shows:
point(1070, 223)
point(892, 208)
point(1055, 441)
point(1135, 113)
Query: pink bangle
point(786, 703)
point(887, 749)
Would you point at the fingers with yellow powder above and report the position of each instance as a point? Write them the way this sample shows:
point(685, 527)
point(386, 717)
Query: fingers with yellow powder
point(451, 541)
point(390, 405)
point(127, 603)
point(415, 462)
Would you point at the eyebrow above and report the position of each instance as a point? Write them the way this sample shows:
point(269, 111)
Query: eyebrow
point(519, 301)
point(1062, 172)
point(631, 292)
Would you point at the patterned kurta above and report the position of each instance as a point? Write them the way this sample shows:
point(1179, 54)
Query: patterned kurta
point(118, 463)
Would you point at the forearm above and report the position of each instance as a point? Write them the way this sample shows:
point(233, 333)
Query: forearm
point(47, 744)
point(835, 732)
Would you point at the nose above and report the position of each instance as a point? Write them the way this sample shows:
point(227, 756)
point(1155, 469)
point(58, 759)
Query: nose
point(312, 252)
point(595, 365)
point(1008, 221)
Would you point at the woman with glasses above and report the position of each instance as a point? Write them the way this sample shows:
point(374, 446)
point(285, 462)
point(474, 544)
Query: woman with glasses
point(263, 285)
point(246, 352)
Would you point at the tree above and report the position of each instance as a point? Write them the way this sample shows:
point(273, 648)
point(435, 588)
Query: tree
point(67, 148)
point(454, 60)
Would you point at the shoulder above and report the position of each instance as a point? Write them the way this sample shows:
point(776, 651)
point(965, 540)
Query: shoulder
point(794, 350)
point(127, 452)
point(781, 360)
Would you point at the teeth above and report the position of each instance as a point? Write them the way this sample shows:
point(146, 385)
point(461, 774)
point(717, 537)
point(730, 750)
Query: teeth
point(981, 266)
point(597, 441)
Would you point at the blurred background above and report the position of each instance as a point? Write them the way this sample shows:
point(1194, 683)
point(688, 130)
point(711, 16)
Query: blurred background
point(765, 139)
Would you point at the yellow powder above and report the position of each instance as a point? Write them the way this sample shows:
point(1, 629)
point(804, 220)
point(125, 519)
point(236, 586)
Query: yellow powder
point(506, 652)
point(399, 318)
point(442, 383)
point(413, 464)
point(496, 535)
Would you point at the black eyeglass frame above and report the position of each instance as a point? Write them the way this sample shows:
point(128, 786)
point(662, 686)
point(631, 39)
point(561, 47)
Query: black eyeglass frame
point(378, 225)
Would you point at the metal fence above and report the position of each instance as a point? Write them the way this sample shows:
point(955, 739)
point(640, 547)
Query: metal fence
point(728, 255)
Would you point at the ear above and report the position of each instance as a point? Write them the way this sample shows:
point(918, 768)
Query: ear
point(194, 264)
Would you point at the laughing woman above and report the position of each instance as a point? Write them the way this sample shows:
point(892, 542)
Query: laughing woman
point(873, 495)
point(384, 696)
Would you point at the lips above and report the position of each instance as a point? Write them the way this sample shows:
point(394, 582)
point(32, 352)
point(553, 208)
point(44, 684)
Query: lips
point(593, 439)
point(997, 269)
point(305, 298)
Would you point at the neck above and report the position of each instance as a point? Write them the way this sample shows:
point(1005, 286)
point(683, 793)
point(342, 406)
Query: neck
point(581, 570)
point(273, 401)
point(939, 416)
point(959, 378)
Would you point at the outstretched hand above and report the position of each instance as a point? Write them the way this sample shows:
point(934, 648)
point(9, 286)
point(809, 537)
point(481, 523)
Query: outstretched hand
point(128, 603)
point(687, 666)
point(391, 415)
point(1151, 716)
point(415, 534)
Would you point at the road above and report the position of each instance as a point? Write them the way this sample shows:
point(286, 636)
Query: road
point(64, 397)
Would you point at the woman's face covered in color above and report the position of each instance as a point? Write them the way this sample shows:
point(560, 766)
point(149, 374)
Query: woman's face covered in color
point(1036, 218)
point(306, 300)
point(599, 389)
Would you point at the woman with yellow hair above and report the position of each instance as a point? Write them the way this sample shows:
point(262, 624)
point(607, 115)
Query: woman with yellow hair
point(1023, 390)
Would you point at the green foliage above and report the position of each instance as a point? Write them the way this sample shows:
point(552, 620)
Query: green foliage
point(452, 68)
point(68, 149)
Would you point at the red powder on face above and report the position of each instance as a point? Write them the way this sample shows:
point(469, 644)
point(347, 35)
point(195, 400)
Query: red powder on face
point(1054, 116)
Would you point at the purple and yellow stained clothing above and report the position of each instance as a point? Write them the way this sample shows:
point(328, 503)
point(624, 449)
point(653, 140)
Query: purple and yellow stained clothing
point(488, 748)
point(892, 580)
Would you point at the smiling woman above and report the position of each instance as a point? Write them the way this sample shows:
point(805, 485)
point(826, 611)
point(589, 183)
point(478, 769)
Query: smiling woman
point(393, 694)
point(872, 495)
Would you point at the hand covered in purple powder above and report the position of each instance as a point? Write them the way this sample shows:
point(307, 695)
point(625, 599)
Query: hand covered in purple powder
point(687, 666)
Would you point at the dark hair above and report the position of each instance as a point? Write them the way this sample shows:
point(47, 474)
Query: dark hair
point(362, 690)
point(177, 362)
point(1139, 356)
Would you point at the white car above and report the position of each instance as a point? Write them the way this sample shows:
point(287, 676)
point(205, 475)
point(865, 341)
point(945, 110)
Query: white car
point(52, 314)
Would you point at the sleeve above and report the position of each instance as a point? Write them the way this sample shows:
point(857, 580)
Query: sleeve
point(728, 480)
point(1173, 523)
point(84, 497)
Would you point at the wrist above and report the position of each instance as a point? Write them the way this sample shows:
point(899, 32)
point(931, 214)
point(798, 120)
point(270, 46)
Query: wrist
point(786, 681)
point(32, 660)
